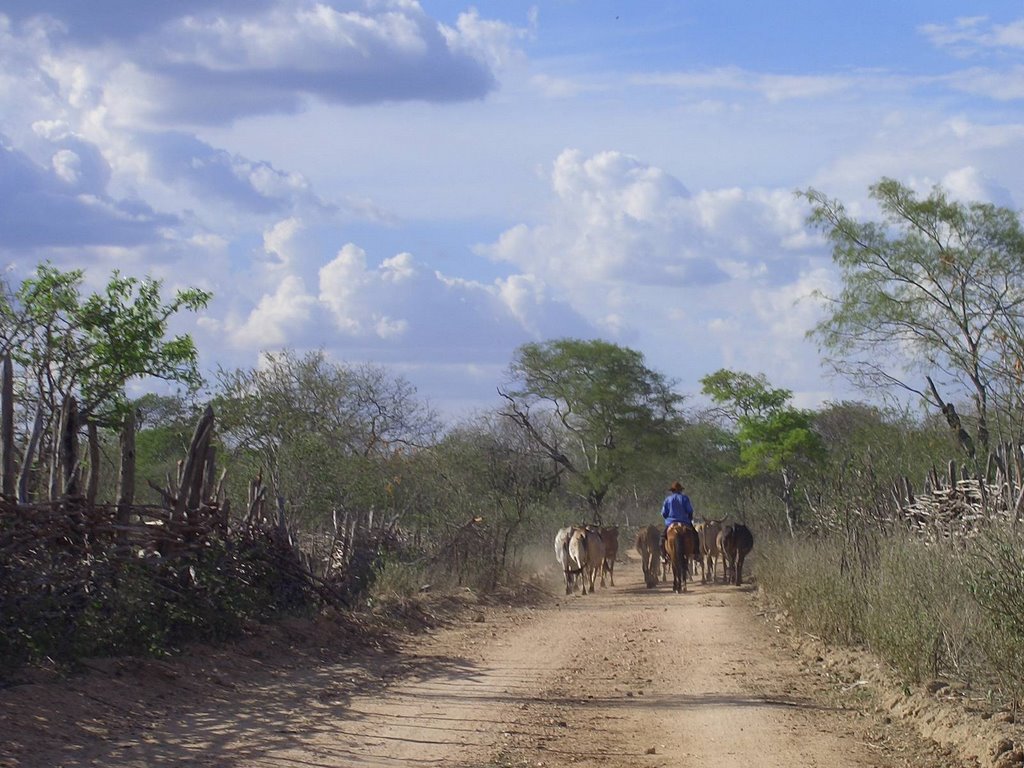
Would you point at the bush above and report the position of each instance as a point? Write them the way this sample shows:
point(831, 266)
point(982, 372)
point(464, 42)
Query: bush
point(906, 600)
point(994, 575)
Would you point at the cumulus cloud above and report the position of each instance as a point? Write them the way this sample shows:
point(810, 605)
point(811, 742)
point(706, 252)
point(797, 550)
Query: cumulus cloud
point(616, 219)
point(215, 62)
point(56, 206)
point(394, 310)
point(277, 317)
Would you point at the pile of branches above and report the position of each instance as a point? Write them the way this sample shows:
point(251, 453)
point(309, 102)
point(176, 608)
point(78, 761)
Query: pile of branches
point(79, 579)
point(76, 581)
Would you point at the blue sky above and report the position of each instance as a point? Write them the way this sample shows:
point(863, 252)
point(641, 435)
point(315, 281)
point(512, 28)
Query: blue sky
point(428, 185)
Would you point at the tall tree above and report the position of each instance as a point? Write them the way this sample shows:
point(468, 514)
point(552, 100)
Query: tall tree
point(322, 432)
point(935, 290)
point(88, 346)
point(594, 407)
point(775, 439)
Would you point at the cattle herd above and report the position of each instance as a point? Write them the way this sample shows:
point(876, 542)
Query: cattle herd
point(587, 552)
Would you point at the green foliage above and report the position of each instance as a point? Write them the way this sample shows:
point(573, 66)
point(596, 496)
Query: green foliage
point(324, 435)
point(773, 437)
point(779, 440)
point(935, 288)
point(603, 412)
point(92, 345)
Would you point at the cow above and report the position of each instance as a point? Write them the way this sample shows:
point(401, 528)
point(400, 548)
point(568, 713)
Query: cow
point(562, 553)
point(682, 543)
point(586, 553)
point(610, 537)
point(735, 542)
point(708, 531)
point(648, 544)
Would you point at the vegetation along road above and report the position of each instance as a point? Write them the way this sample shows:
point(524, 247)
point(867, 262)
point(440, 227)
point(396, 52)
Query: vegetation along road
point(625, 677)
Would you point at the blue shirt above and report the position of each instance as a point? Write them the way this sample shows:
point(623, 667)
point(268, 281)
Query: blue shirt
point(677, 509)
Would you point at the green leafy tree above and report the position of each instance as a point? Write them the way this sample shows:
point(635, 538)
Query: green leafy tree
point(594, 407)
point(935, 289)
point(68, 343)
point(775, 439)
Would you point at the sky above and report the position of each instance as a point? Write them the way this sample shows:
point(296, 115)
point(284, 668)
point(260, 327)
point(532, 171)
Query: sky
point(428, 185)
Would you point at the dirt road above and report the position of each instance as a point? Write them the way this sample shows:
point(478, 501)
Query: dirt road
point(625, 677)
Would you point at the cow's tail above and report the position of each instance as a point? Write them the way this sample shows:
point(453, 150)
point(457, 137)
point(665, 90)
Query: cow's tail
point(680, 557)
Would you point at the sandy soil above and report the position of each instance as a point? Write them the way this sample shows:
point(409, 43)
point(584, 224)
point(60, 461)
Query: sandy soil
point(625, 677)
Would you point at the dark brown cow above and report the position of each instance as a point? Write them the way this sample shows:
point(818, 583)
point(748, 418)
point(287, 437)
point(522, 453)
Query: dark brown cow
point(648, 544)
point(610, 537)
point(682, 544)
point(735, 542)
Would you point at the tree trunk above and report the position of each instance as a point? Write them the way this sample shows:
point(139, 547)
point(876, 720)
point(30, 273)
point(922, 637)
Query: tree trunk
point(7, 478)
point(24, 476)
point(126, 476)
point(787, 500)
point(191, 485)
point(93, 485)
point(65, 481)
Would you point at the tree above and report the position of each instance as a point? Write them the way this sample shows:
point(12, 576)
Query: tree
point(594, 407)
point(774, 438)
point(322, 433)
point(489, 471)
point(89, 346)
point(935, 289)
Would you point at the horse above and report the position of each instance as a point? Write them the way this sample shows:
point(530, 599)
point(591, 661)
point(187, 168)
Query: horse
point(682, 543)
point(648, 544)
point(610, 537)
point(708, 531)
point(562, 553)
point(735, 541)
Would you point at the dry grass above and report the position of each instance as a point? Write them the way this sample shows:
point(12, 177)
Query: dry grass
point(929, 610)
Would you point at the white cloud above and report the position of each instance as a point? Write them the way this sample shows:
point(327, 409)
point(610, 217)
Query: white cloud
point(493, 42)
point(277, 240)
point(67, 165)
point(970, 35)
point(276, 317)
point(615, 219)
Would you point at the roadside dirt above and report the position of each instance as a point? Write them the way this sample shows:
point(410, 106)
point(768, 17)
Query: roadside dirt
point(626, 677)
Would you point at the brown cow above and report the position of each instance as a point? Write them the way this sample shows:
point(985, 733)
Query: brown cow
point(735, 541)
point(648, 544)
point(710, 552)
point(682, 543)
point(586, 551)
point(610, 537)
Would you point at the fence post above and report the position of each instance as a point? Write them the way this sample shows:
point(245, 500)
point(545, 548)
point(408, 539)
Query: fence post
point(7, 485)
point(126, 480)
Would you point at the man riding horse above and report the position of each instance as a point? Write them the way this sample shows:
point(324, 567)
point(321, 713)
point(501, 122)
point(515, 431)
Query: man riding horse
point(676, 509)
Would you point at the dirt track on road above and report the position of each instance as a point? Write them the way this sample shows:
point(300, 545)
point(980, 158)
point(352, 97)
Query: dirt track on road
point(625, 677)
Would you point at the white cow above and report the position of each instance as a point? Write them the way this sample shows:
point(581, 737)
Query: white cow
point(562, 553)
